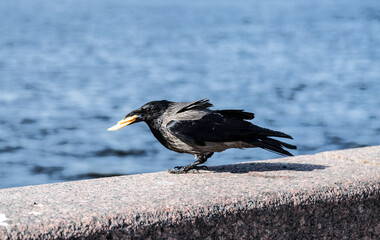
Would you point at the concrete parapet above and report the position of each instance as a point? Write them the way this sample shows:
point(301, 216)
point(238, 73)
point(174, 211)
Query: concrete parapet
point(328, 195)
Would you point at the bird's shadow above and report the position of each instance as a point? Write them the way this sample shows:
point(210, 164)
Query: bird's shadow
point(265, 167)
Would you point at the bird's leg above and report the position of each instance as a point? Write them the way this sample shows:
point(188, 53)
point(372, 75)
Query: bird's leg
point(201, 158)
point(193, 165)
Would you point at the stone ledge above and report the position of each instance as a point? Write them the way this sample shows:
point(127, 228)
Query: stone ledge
point(328, 195)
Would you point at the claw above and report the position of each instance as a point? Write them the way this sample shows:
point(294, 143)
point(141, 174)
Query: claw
point(182, 170)
point(176, 171)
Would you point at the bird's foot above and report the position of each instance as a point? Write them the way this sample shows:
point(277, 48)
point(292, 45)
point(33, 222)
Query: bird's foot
point(177, 171)
point(186, 169)
point(203, 167)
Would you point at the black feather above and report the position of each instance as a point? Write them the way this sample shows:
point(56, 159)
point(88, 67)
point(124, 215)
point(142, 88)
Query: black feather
point(267, 146)
point(203, 103)
point(278, 143)
point(267, 132)
point(240, 114)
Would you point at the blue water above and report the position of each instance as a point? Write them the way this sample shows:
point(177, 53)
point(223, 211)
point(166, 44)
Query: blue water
point(71, 69)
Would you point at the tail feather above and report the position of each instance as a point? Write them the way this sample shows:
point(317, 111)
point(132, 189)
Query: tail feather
point(267, 132)
point(278, 143)
point(272, 145)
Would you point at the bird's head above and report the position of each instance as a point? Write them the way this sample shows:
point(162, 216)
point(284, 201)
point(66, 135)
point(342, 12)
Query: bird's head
point(147, 113)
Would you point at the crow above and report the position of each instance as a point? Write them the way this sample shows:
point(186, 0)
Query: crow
point(192, 127)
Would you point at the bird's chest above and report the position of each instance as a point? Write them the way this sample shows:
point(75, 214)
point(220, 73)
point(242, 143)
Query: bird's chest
point(170, 141)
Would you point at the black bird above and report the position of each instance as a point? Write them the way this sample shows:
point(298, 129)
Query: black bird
point(191, 127)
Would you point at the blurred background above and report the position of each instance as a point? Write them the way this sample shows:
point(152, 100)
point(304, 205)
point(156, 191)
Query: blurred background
point(71, 69)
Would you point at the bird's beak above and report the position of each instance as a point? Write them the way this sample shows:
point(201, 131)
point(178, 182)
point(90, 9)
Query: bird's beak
point(122, 123)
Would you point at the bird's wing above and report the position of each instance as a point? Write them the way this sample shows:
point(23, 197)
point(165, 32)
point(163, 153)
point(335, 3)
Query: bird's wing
point(212, 127)
point(215, 127)
point(200, 104)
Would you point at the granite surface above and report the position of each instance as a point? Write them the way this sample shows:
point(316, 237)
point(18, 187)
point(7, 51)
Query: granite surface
point(328, 195)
